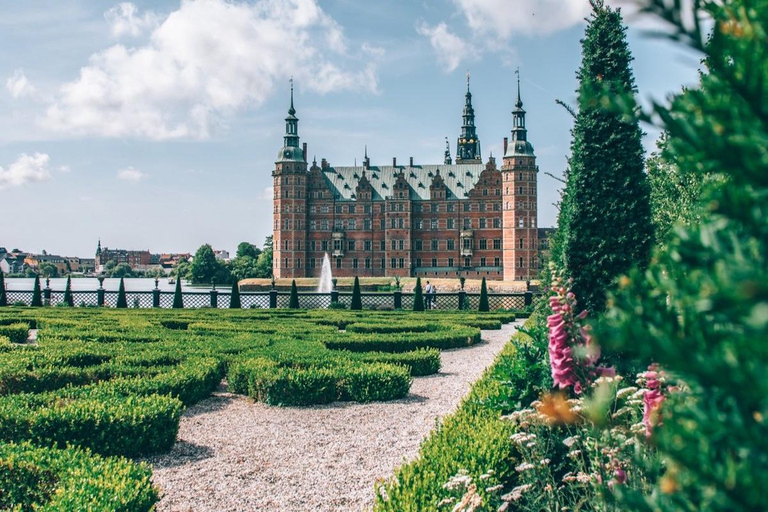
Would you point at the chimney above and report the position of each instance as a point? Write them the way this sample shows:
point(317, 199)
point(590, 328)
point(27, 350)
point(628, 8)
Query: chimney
point(304, 150)
point(394, 161)
point(411, 163)
point(506, 141)
point(323, 163)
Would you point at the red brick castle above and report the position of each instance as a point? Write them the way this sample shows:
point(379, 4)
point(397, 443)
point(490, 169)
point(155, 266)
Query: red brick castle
point(466, 218)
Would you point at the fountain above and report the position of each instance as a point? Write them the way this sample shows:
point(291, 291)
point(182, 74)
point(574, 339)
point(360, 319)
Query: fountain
point(326, 278)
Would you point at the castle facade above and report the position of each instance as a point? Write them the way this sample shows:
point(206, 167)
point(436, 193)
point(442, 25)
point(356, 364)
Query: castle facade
point(464, 218)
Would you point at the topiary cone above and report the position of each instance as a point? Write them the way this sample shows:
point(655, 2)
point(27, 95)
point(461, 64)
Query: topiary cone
point(418, 296)
point(483, 297)
point(37, 294)
point(234, 297)
point(122, 301)
point(294, 302)
point(357, 299)
point(68, 300)
point(178, 300)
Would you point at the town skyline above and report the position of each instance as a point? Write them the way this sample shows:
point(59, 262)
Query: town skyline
point(200, 170)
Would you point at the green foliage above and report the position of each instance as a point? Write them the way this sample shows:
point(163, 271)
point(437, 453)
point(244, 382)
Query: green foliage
point(68, 293)
point(483, 306)
point(3, 296)
point(247, 249)
point(234, 297)
point(120, 270)
point(37, 294)
point(605, 211)
point(178, 299)
point(17, 332)
point(205, 267)
point(357, 300)
point(701, 310)
point(293, 302)
point(48, 270)
point(447, 336)
point(72, 480)
point(418, 296)
point(122, 302)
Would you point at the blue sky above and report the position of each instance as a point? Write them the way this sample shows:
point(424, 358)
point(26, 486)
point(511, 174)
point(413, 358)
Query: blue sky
point(155, 125)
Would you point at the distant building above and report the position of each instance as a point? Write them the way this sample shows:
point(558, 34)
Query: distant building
point(35, 261)
point(221, 255)
point(13, 262)
point(81, 265)
point(137, 260)
point(457, 218)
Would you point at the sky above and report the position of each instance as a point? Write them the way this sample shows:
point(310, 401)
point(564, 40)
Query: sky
point(155, 124)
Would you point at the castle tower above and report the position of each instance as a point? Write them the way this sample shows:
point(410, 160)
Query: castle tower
point(290, 203)
point(519, 197)
point(468, 144)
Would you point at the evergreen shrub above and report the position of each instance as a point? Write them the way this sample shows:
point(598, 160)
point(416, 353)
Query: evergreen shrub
point(122, 301)
point(17, 332)
point(483, 306)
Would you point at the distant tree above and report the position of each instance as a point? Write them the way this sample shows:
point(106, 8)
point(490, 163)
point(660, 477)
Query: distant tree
point(122, 301)
point(178, 300)
point(357, 300)
point(121, 270)
point(247, 249)
point(109, 266)
point(483, 297)
point(205, 267)
point(68, 300)
point(3, 296)
point(48, 270)
point(244, 267)
point(234, 297)
point(418, 296)
point(294, 301)
point(37, 294)
point(182, 269)
point(264, 261)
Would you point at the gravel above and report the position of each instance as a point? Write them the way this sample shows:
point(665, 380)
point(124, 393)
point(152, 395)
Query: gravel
point(234, 454)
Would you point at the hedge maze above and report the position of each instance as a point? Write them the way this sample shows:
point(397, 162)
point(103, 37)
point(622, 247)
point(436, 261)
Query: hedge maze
point(103, 384)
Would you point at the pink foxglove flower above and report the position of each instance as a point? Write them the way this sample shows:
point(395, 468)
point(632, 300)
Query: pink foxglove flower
point(652, 399)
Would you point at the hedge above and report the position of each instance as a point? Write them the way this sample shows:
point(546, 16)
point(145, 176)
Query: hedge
point(398, 342)
point(16, 332)
point(109, 425)
point(72, 480)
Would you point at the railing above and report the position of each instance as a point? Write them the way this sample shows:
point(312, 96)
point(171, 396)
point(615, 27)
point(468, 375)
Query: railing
point(271, 299)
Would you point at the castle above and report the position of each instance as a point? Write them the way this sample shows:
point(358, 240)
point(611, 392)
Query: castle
point(467, 218)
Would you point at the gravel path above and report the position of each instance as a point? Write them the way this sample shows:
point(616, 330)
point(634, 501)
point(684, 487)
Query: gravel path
point(237, 455)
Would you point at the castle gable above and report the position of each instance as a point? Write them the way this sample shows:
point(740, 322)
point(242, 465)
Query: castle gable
point(459, 179)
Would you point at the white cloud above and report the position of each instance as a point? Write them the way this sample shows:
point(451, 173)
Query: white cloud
point(268, 193)
point(26, 169)
point(206, 60)
point(124, 20)
point(130, 174)
point(502, 18)
point(451, 49)
point(19, 86)
point(376, 51)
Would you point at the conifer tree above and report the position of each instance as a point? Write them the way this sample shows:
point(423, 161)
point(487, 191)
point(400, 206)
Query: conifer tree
point(483, 306)
point(357, 299)
point(178, 299)
point(3, 295)
point(122, 301)
point(234, 297)
point(293, 302)
point(418, 296)
point(68, 300)
point(37, 294)
point(605, 210)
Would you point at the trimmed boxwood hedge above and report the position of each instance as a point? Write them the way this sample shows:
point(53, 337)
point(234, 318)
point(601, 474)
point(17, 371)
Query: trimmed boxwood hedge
point(72, 480)
point(16, 332)
point(448, 337)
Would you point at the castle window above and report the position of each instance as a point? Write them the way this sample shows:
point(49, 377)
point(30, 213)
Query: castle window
point(417, 208)
point(521, 242)
point(339, 224)
point(451, 245)
point(497, 207)
point(483, 244)
point(485, 191)
point(352, 224)
point(298, 245)
point(382, 224)
point(367, 208)
point(298, 262)
point(418, 224)
point(450, 262)
point(313, 209)
point(393, 244)
point(286, 193)
point(467, 223)
point(367, 262)
point(287, 261)
point(337, 245)
point(507, 205)
point(482, 262)
point(433, 245)
point(311, 262)
point(417, 245)
point(434, 262)
point(418, 262)
point(324, 209)
point(325, 245)
point(482, 222)
point(449, 224)
point(367, 224)
point(367, 245)
point(401, 223)
point(467, 262)
point(338, 262)
point(312, 245)
point(402, 262)
point(351, 245)
point(520, 190)
point(434, 208)
point(496, 262)
point(286, 245)
point(354, 263)
point(393, 223)
point(434, 224)
point(401, 245)
point(393, 263)
point(520, 263)
point(382, 247)
point(324, 224)
point(466, 207)
point(351, 208)
point(521, 222)
point(450, 207)
point(498, 191)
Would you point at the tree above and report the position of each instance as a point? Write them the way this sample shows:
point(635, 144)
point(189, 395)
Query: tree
point(244, 267)
point(234, 297)
point(247, 249)
point(68, 300)
point(700, 309)
point(418, 296)
point(206, 267)
point(182, 269)
point(357, 300)
point(607, 200)
point(293, 303)
point(3, 295)
point(122, 301)
point(264, 261)
point(178, 300)
point(483, 306)
point(121, 270)
point(48, 270)
point(37, 294)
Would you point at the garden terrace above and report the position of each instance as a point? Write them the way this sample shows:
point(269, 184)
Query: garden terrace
point(116, 382)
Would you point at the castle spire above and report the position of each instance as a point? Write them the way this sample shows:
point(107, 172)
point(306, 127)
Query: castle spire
point(291, 150)
point(447, 160)
point(291, 110)
point(519, 144)
point(468, 145)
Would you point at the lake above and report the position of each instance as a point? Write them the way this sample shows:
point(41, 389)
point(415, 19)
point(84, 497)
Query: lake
point(132, 284)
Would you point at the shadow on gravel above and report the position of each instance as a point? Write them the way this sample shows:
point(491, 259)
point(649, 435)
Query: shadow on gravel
point(181, 453)
point(214, 403)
